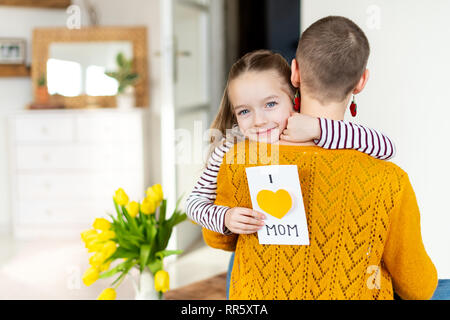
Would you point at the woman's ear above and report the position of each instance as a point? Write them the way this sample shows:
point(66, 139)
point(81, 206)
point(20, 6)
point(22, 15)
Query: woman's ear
point(362, 82)
point(295, 74)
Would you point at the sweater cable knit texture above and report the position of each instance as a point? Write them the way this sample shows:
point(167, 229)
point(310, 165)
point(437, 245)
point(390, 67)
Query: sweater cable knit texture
point(363, 224)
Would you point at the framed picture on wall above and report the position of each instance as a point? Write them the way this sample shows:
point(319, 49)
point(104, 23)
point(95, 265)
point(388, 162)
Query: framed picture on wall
point(12, 51)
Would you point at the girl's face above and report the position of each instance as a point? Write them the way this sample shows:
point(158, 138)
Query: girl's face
point(262, 105)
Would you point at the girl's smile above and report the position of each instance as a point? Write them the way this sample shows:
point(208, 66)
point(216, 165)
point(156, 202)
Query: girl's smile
point(264, 132)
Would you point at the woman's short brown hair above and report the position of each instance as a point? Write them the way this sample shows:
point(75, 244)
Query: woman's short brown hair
point(332, 55)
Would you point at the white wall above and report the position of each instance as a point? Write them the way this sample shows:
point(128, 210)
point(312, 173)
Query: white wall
point(146, 13)
point(408, 97)
point(16, 93)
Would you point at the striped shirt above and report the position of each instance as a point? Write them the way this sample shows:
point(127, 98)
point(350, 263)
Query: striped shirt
point(335, 134)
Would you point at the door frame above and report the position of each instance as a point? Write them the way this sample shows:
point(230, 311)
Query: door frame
point(216, 36)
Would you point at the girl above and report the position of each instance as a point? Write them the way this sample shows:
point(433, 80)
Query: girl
point(262, 79)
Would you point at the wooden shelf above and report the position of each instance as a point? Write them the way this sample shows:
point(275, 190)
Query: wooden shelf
point(14, 70)
point(57, 4)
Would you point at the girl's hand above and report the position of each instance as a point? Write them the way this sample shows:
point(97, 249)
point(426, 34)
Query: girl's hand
point(243, 220)
point(301, 128)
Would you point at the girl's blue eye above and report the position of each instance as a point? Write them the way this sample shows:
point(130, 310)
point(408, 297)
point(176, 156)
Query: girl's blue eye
point(271, 104)
point(240, 113)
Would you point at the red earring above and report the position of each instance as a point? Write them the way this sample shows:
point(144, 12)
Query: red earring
point(297, 100)
point(353, 107)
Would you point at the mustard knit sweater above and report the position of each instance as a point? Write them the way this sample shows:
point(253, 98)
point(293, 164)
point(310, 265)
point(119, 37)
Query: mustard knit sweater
point(363, 223)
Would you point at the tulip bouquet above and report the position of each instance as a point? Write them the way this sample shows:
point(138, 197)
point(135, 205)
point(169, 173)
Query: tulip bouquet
point(137, 236)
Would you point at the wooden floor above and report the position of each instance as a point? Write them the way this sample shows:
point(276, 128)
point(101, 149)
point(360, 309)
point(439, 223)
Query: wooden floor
point(213, 288)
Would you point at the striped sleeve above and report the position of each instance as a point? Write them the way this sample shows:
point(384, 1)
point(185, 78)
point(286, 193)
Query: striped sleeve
point(347, 135)
point(200, 205)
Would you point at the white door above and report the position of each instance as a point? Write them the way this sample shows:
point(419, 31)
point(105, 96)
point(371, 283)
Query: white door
point(191, 90)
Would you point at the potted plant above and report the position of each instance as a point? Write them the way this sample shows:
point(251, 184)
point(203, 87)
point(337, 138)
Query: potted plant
point(126, 79)
point(137, 236)
point(42, 95)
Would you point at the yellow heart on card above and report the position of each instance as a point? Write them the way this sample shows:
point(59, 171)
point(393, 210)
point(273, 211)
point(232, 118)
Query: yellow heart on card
point(277, 204)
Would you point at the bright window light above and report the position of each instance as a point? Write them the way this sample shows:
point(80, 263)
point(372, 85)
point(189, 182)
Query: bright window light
point(58, 81)
point(98, 83)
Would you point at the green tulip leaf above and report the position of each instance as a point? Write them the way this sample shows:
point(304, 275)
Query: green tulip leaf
point(165, 253)
point(119, 268)
point(162, 211)
point(125, 254)
point(155, 266)
point(132, 221)
point(145, 253)
point(124, 273)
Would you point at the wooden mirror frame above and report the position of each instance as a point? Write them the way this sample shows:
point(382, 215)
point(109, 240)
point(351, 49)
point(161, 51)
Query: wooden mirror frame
point(43, 37)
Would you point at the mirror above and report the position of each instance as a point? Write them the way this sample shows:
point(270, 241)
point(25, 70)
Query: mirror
point(86, 63)
point(70, 65)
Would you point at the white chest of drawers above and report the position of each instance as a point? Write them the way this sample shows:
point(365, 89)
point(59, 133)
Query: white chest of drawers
point(65, 166)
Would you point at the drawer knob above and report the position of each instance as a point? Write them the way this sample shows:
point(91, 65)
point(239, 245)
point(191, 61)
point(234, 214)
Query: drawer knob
point(44, 130)
point(46, 157)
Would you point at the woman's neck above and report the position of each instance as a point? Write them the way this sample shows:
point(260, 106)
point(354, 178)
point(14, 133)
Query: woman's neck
point(331, 110)
point(312, 107)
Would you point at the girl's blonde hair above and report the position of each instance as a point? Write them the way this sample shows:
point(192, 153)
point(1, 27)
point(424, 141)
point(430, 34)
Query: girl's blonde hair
point(257, 61)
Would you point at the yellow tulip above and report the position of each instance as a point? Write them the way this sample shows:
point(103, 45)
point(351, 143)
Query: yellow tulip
point(107, 294)
point(155, 192)
point(94, 246)
point(88, 234)
point(97, 259)
point(148, 206)
point(162, 281)
point(101, 224)
point(106, 235)
point(150, 193)
point(90, 276)
point(90, 239)
point(121, 197)
point(132, 208)
point(153, 197)
point(158, 189)
point(105, 266)
point(109, 248)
